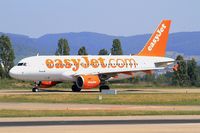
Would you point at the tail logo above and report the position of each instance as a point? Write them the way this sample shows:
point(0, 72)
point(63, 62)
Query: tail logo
point(157, 37)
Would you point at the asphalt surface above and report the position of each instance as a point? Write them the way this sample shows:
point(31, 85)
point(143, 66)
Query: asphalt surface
point(108, 124)
point(96, 91)
point(98, 122)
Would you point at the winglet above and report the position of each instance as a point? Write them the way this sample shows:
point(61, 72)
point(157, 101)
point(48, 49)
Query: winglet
point(156, 45)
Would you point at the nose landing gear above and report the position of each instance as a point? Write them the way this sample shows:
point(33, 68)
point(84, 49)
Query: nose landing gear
point(35, 89)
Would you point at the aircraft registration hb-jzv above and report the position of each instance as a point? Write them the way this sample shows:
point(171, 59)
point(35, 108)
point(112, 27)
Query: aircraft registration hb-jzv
point(90, 71)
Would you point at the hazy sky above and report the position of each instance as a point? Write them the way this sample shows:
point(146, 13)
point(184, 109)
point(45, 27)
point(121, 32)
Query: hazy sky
point(114, 17)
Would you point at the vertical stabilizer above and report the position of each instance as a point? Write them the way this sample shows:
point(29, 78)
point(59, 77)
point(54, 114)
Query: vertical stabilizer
point(156, 45)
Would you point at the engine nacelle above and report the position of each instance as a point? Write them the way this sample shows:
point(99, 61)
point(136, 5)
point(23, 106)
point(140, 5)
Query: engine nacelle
point(47, 84)
point(88, 81)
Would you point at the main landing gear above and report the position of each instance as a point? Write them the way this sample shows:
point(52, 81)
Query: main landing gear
point(75, 88)
point(104, 87)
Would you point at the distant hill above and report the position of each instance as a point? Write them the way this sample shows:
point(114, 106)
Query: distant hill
point(187, 43)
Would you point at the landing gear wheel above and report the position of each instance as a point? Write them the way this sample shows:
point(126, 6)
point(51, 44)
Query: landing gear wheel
point(75, 88)
point(104, 87)
point(35, 89)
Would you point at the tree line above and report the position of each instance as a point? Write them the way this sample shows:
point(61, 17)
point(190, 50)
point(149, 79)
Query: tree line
point(187, 73)
point(64, 49)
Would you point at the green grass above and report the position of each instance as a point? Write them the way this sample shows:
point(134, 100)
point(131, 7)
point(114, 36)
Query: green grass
point(8, 84)
point(12, 84)
point(69, 113)
point(85, 98)
point(148, 86)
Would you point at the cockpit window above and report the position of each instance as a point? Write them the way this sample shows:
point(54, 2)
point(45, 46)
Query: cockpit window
point(21, 64)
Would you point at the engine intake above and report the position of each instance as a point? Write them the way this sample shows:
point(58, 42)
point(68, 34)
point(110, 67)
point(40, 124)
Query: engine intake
point(88, 81)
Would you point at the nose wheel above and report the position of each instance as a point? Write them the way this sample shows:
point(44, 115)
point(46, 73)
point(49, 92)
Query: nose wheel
point(35, 89)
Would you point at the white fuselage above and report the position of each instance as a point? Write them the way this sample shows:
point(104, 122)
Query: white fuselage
point(63, 68)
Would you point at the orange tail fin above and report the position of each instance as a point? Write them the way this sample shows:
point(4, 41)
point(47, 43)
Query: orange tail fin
point(156, 46)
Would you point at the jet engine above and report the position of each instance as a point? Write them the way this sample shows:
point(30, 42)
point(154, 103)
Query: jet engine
point(88, 81)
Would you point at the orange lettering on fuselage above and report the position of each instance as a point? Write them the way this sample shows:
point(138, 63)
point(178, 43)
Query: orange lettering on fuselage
point(112, 63)
point(102, 63)
point(67, 63)
point(85, 62)
point(76, 64)
point(94, 63)
point(49, 63)
point(59, 63)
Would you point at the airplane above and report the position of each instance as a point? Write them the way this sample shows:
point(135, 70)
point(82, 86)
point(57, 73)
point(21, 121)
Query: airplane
point(92, 71)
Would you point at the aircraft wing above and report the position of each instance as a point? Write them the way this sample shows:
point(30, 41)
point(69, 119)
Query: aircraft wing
point(117, 71)
point(163, 64)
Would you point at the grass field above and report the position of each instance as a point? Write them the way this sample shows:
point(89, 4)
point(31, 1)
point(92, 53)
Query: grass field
point(54, 113)
point(132, 99)
point(93, 98)
point(12, 84)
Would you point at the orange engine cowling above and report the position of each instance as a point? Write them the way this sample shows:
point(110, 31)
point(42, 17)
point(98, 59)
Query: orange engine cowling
point(47, 84)
point(88, 81)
